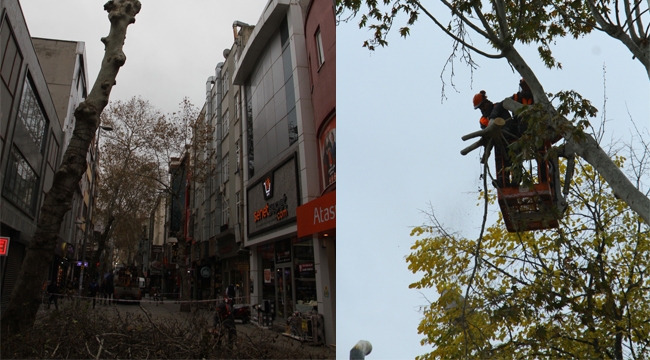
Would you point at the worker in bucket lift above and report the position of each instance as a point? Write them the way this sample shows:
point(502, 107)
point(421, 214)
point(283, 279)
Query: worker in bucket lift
point(490, 111)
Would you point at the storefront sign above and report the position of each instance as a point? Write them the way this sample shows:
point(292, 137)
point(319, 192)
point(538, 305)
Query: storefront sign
point(283, 256)
point(273, 198)
point(4, 246)
point(267, 186)
point(205, 272)
point(317, 215)
point(306, 267)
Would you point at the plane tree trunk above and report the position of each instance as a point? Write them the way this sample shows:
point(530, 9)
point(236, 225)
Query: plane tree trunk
point(21, 310)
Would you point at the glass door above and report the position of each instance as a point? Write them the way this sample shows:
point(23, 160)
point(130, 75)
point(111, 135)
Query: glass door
point(284, 295)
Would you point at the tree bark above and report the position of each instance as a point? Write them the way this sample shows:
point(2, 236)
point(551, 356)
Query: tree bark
point(185, 278)
point(21, 310)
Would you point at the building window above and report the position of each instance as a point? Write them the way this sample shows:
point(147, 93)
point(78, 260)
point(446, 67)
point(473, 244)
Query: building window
point(53, 154)
point(21, 182)
point(319, 48)
point(10, 58)
point(237, 154)
point(238, 204)
point(224, 168)
point(225, 211)
point(237, 107)
point(214, 222)
point(31, 115)
point(224, 84)
point(249, 130)
point(225, 125)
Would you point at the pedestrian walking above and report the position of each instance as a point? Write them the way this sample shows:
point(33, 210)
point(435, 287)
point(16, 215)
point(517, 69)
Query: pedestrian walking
point(224, 322)
point(53, 290)
point(93, 288)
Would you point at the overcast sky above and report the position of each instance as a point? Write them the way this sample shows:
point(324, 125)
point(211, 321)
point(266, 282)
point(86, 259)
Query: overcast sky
point(400, 144)
point(171, 50)
point(400, 151)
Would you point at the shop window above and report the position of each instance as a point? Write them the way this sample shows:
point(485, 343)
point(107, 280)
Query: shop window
point(283, 251)
point(268, 273)
point(305, 275)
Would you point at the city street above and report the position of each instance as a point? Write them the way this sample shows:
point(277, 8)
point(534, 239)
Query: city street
point(171, 310)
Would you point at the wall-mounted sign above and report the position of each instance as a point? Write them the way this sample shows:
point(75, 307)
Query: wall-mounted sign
point(267, 186)
point(4, 246)
point(306, 267)
point(318, 215)
point(273, 198)
point(205, 272)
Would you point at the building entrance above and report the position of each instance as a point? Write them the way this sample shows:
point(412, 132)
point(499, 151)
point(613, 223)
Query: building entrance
point(284, 295)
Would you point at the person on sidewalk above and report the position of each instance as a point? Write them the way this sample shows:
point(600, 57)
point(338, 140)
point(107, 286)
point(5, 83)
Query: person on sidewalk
point(224, 320)
point(93, 288)
point(53, 290)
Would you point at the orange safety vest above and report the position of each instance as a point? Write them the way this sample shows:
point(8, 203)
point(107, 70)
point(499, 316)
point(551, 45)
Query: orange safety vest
point(484, 121)
point(523, 100)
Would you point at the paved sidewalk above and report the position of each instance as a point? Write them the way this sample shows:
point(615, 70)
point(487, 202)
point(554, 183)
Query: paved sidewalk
point(170, 308)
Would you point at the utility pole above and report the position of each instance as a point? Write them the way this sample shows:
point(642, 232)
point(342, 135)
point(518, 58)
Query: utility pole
point(91, 198)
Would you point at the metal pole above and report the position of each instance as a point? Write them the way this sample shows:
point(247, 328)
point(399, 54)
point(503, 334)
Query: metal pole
point(91, 197)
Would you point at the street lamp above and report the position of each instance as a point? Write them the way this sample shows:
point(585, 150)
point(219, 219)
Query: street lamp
point(91, 197)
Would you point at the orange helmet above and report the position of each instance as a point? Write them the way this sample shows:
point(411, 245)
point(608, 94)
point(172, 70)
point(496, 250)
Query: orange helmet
point(479, 99)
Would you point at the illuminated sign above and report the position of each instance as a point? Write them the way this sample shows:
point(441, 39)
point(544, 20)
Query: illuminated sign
point(268, 188)
point(4, 246)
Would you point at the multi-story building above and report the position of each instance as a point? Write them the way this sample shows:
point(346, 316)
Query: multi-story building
point(271, 107)
point(64, 65)
point(281, 156)
point(316, 218)
point(31, 135)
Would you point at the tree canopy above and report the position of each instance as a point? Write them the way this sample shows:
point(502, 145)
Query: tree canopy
point(580, 291)
point(503, 27)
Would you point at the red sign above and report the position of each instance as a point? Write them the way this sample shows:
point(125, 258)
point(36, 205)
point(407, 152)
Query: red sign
point(317, 215)
point(4, 246)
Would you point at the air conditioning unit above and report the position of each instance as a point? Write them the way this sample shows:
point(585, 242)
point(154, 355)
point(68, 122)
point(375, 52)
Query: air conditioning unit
point(222, 189)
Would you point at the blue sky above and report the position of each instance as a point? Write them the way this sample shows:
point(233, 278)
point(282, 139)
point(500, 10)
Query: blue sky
point(401, 148)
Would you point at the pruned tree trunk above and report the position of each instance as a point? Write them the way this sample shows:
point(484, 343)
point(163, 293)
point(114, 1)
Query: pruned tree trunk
point(185, 278)
point(101, 245)
point(21, 310)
